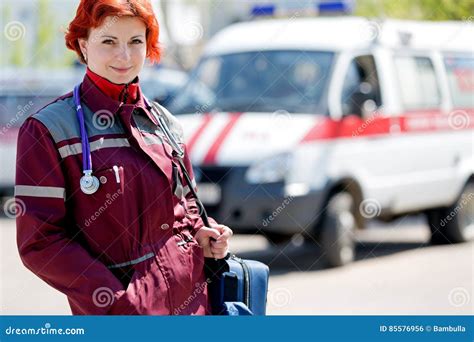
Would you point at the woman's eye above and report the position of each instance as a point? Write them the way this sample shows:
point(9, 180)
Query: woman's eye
point(137, 41)
point(108, 41)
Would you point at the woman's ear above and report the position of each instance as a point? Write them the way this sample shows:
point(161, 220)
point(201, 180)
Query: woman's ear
point(83, 47)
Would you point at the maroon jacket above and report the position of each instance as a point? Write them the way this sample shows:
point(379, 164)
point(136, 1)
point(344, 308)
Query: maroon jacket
point(123, 249)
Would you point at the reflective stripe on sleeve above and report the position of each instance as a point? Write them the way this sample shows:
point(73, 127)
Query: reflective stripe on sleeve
point(40, 191)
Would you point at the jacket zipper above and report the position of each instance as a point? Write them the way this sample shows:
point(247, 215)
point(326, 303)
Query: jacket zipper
point(125, 94)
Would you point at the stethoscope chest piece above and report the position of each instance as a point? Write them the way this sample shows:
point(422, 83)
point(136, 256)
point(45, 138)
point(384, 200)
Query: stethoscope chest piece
point(89, 183)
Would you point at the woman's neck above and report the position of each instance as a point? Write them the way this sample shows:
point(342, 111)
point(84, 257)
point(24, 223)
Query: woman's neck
point(126, 93)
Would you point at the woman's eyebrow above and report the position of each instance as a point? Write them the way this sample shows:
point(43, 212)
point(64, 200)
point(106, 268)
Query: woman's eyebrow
point(107, 36)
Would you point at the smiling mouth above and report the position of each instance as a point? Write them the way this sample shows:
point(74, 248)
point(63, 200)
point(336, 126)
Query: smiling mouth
point(121, 69)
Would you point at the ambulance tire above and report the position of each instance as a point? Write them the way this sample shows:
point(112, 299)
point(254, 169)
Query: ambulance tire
point(454, 224)
point(338, 229)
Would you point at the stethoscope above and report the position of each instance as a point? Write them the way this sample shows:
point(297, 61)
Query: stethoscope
point(89, 183)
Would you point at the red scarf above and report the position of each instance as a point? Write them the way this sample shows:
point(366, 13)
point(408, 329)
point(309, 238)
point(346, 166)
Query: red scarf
point(118, 92)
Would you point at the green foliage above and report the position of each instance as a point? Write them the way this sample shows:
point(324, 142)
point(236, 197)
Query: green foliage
point(45, 35)
point(419, 9)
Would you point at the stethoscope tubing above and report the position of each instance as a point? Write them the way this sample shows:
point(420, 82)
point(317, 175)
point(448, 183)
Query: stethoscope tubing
point(86, 153)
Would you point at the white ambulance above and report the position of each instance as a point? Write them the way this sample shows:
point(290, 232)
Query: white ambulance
point(314, 125)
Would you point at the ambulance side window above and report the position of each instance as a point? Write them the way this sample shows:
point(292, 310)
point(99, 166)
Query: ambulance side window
point(417, 82)
point(460, 72)
point(360, 91)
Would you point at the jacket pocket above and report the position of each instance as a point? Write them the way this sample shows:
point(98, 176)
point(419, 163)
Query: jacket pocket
point(101, 215)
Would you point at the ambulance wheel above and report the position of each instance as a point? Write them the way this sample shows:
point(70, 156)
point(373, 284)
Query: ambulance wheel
point(276, 238)
point(338, 229)
point(454, 224)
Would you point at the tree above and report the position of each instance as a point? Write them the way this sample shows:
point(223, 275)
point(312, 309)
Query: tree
point(420, 9)
point(45, 35)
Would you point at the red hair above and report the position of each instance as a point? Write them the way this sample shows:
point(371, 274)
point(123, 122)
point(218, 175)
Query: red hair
point(91, 14)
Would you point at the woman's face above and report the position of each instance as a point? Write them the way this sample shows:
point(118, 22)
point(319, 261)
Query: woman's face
point(116, 50)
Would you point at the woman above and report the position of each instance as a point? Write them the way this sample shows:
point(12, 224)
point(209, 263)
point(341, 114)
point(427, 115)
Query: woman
point(131, 240)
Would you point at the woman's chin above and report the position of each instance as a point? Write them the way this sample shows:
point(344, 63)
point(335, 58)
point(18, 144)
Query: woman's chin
point(114, 77)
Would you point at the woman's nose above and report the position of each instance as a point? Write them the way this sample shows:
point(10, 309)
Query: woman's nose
point(124, 53)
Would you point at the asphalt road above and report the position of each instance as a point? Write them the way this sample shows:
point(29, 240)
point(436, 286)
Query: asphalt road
point(396, 273)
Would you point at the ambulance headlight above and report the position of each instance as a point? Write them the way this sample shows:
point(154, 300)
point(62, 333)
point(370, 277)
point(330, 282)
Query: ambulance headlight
point(270, 170)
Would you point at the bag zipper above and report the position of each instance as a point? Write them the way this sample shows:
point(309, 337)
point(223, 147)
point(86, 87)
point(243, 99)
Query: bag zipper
point(246, 279)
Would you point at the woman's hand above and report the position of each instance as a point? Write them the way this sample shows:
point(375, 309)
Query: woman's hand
point(218, 247)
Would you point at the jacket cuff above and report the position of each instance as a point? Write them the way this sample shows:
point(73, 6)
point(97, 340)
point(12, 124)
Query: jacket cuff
point(199, 224)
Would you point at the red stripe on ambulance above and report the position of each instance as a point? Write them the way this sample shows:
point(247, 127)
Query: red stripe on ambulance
point(211, 155)
point(411, 122)
point(206, 120)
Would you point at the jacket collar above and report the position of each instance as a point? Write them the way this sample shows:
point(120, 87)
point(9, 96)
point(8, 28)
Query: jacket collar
point(97, 101)
point(121, 92)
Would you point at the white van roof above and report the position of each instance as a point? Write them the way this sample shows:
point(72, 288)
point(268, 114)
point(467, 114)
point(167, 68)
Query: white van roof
point(340, 33)
point(27, 81)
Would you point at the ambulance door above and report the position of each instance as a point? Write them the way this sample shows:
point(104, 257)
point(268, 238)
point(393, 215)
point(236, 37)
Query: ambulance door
point(424, 141)
point(363, 150)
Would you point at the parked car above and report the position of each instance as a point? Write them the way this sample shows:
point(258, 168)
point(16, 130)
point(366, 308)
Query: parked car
point(162, 84)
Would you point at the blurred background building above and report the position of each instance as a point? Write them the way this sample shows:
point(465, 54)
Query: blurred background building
point(38, 26)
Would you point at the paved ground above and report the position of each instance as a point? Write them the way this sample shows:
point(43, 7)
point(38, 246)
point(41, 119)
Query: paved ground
point(396, 273)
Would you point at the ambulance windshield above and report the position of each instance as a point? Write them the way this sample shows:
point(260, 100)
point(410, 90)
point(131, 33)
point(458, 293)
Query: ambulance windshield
point(258, 81)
